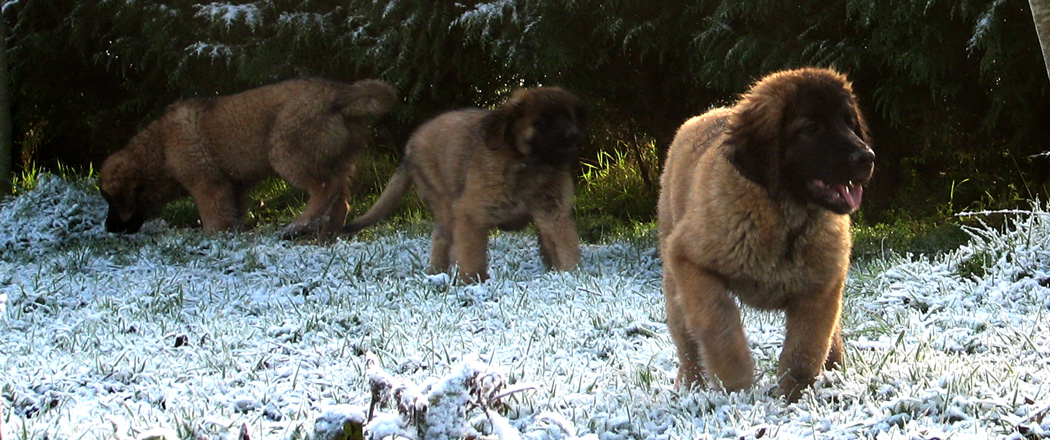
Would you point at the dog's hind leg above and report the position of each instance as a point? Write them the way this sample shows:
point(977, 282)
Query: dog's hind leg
point(470, 248)
point(335, 215)
point(440, 240)
point(440, 245)
point(325, 210)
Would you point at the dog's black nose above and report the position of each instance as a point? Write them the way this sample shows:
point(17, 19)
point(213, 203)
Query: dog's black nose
point(131, 226)
point(862, 158)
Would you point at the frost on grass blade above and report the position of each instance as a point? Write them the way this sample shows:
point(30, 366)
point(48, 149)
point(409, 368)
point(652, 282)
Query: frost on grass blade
point(501, 427)
point(121, 431)
point(53, 213)
point(440, 408)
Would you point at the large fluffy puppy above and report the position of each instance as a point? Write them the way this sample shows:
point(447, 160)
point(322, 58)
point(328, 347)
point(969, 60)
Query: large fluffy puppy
point(505, 168)
point(755, 201)
point(308, 131)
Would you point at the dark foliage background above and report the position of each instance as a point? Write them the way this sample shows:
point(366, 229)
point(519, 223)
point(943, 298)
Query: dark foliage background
point(955, 90)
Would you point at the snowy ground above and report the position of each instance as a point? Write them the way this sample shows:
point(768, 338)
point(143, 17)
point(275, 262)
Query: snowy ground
point(175, 334)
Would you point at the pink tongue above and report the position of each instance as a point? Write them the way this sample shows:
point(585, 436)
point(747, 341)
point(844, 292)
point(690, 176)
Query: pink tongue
point(851, 195)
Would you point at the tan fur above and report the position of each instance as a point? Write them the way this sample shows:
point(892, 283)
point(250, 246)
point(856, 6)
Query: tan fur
point(478, 170)
point(308, 131)
point(723, 234)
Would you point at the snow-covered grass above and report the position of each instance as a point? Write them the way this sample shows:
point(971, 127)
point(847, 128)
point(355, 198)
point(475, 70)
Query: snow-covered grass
point(174, 333)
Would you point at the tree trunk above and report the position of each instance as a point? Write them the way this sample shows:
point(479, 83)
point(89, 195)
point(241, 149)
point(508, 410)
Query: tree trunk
point(6, 140)
point(1041, 15)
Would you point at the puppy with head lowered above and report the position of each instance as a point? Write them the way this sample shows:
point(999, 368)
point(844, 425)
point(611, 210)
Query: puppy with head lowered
point(482, 169)
point(754, 203)
point(308, 131)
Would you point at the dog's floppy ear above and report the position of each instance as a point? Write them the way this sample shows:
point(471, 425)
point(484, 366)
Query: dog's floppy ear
point(754, 130)
point(498, 126)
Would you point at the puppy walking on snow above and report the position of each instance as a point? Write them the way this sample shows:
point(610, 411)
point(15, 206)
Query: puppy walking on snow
point(483, 169)
point(754, 201)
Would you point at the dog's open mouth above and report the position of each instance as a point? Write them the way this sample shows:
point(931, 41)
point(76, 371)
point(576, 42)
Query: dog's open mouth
point(842, 197)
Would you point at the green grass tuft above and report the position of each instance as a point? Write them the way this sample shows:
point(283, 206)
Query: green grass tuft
point(617, 192)
point(884, 240)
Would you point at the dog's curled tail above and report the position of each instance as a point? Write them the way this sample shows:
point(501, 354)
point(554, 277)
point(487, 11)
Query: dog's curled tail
point(386, 204)
point(369, 97)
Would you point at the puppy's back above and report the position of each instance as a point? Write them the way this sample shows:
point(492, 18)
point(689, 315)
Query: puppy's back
point(694, 138)
point(440, 150)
